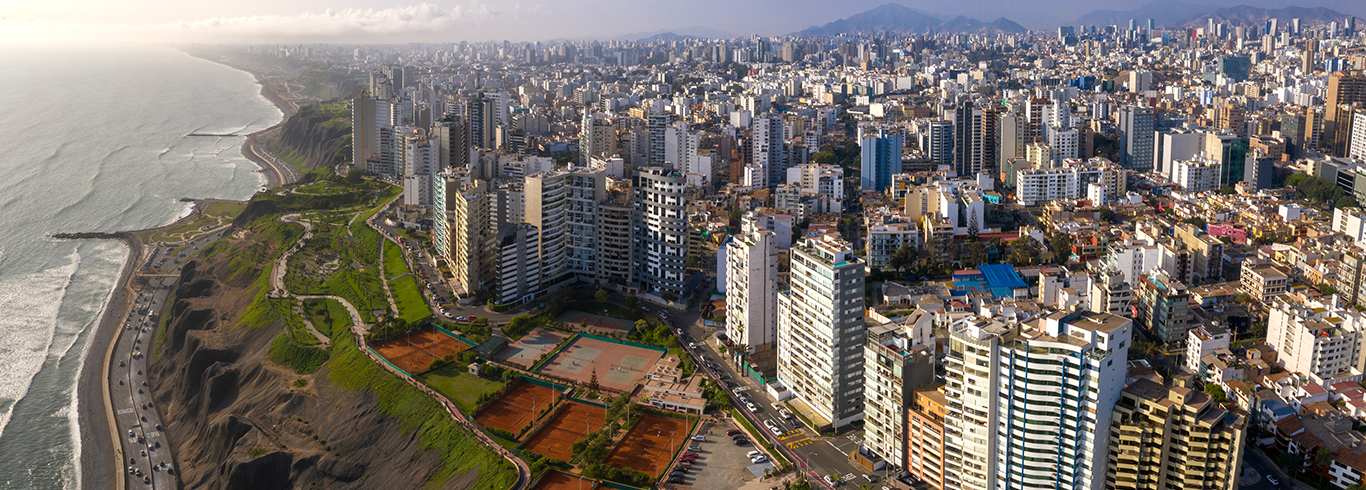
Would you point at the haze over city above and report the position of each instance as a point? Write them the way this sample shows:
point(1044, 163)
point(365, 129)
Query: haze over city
point(373, 21)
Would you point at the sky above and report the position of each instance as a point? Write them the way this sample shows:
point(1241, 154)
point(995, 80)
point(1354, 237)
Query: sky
point(377, 21)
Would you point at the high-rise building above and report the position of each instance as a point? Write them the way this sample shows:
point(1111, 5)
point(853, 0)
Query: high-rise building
point(893, 367)
point(821, 330)
point(481, 120)
point(939, 147)
point(562, 204)
point(1046, 429)
point(1175, 437)
point(461, 231)
point(752, 297)
point(974, 135)
point(1014, 135)
point(659, 231)
point(1231, 152)
point(1233, 118)
point(881, 156)
point(368, 115)
point(768, 147)
point(1136, 138)
point(1065, 143)
point(1197, 174)
point(1140, 80)
point(517, 269)
point(658, 124)
point(1343, 89)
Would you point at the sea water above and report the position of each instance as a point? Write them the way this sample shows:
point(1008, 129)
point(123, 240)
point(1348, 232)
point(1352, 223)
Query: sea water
point(95, 139)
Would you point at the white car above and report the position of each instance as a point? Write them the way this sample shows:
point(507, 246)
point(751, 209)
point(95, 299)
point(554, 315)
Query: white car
point(699, 437)
point(758, 459)
point(751, 407)
point(752, 454)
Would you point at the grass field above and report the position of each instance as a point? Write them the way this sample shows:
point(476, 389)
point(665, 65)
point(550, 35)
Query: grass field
point(455, 382)
point(225, 209)
point(412, 306)
point(328, 316)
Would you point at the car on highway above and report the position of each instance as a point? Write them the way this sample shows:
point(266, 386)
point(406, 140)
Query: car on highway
point(1272, 480)
point(751, 406)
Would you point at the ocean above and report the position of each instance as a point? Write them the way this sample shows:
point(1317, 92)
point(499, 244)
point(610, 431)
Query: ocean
point(95, 139)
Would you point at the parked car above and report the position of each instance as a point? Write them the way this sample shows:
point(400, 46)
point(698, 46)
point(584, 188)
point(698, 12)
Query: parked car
point(752, 454)
point(700, 438)
point(758, 459)
point(676, 479)
point(694, 447)
point(729, 432)
point(741, 441)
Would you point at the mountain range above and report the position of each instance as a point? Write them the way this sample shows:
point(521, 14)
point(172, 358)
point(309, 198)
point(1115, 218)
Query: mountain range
point(1174, 14)
point(897, 18)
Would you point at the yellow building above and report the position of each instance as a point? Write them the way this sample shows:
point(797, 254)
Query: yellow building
point(1169, 438)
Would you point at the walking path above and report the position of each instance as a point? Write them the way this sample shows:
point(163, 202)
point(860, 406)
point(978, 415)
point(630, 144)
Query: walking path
point(359, 329)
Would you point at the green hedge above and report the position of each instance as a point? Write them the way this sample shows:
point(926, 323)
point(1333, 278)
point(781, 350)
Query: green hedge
point(302, 359)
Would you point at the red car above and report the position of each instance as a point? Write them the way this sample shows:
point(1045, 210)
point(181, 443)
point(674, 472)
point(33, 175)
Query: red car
point(732, 432)
point(688, 459)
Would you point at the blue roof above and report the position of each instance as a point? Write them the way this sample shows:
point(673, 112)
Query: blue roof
point(1002, 276)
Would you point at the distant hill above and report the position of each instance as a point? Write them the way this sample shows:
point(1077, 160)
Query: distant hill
point(701, 32)
point(898, 18)
point(1163, 13)
point(1246, 16)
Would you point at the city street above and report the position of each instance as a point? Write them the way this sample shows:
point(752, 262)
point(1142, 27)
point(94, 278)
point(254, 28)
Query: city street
point(822, 455)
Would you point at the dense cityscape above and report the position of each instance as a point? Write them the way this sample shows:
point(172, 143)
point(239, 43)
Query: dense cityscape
point(1121, 256)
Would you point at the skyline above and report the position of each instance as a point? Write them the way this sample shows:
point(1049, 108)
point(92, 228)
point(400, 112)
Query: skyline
point(374, 22)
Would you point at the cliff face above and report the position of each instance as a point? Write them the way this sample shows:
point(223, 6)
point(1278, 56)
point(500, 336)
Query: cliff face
point(319, 133)
point(238, 421)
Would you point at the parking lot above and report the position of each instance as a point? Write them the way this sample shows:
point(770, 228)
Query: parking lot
point(720, 463)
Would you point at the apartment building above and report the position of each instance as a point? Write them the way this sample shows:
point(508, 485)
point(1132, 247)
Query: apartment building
point(752, 296)
point(1263, 283)
point(1166, 438)
point(893, 367)
point(821, 330)
point(1037, 186)
point(925, 435)
point(659, 231)
point(886, 233)
point(1046, 429)
point(1316, 339)
point(1163, 306)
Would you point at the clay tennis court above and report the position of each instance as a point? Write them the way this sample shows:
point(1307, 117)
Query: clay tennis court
point(514, 410)
point(531, 347)
point(554, 480)
point(573, 422)
point(414, 352)
point(596, 322)
point(619, 366)
point(648, 447)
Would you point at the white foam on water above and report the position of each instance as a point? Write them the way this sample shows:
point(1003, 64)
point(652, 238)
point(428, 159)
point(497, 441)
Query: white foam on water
point(116, 253)
point(28, 323)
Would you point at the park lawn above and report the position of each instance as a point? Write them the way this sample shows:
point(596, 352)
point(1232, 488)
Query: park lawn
point(412, 306)
point(226, 209)
point(394, 264)
point(328, 316)
point(453, 381)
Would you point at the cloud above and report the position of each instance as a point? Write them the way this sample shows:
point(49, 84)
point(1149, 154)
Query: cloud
point(347, 25)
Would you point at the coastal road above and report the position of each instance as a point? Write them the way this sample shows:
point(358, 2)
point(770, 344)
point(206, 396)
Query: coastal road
point(148, 462)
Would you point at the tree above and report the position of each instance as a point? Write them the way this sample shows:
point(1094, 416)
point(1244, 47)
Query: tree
point(353, 177)
point(601, 295)
point(1024, 251)
point(1215, 392)
point(1324, 457)
point(1107, 215)
point(977, 254)
point(1061, 245)
point(669, 296)
point(973, 227)
point(904, 257)
point(694, 261)
point(1242, 298)
point(631, 302)
point(593, 381)
point(1292, 463)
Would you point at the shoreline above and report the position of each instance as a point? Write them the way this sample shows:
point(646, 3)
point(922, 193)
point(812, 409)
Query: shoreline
point(101, 456)
point(277, 174)
point(101, 453)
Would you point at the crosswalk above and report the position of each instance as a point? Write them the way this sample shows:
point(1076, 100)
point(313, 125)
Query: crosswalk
point(796, 439)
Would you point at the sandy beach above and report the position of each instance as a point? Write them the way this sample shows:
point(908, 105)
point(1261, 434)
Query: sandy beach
point(100, 456)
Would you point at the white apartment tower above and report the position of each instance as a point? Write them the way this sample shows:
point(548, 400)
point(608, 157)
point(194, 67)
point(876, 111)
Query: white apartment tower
point(1316, 339)
point(752, 295)
point(821, 330)
point(1029, 406)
